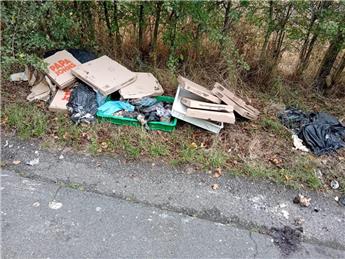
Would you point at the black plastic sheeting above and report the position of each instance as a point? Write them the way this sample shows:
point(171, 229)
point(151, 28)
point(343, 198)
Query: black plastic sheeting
point(321, 132)
point(82, 105)
point(81, 55)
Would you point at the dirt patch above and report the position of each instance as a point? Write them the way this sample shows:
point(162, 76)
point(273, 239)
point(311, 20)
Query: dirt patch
point(287, 239)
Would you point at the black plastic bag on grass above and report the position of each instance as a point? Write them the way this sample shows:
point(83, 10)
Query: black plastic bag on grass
point(324, 133)
point(82, 105)
point(321, 132)
point(80, 54)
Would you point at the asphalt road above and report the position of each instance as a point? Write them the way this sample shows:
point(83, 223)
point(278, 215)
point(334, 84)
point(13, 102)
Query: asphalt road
point(109, 207)
point(41, 220)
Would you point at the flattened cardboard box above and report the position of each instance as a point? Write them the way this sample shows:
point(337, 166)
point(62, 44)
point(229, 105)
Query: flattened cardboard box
point(220, 90)
point(104, 75)
point(179, 111)
point(206, 106)
point(197, 89)
point(60, 101)
point(60, 67)
point(145, 85)
point(227, 117)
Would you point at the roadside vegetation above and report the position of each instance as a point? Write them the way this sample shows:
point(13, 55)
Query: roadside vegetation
point(272, 53)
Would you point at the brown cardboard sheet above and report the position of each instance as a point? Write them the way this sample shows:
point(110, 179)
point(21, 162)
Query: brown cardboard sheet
point(59, 68)
point(197, 89)
point(104, 75)
point(206, 106)
point(145, 85)
point(226, 117)
point(60, 100)
point(239, 105)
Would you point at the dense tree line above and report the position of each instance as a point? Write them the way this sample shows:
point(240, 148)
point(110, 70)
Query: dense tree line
point(248, 35)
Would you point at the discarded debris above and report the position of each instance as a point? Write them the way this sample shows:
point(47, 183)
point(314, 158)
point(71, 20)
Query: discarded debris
point(341, 200)
point(302, 200)
point(60, 100)
point(217, 173)
point(320, 132)
point(36, 204)
point(145, 85)
point(215, 186)
point(198, 90)
point(104, 75)
point(237, 103)
point(33, 162)
point(287, 238)
point(334, 184)
point(6, 143)
point(40, 91)
point(179, 111)
point(60, 66)
point(82, 105)
point(54, 205)
point(16, 162)
point(61, 157)
point(21, 76)
point(298, 143)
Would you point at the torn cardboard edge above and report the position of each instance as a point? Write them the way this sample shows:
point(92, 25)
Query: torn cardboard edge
point(226, 117)
point(104, 75)
point(41, 91)
point(179, 111)
point(197, 90)
point(144, 85)
point(60, 100)
point(206, 106)
point(60, 67)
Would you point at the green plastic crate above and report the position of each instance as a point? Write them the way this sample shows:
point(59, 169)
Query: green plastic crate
point(153, 125)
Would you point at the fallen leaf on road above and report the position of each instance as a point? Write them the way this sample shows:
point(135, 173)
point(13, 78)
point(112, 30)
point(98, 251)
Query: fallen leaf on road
point(215, 186)
point(302, 200)
point(217, 173)
point(104, 145)
point(16, 162)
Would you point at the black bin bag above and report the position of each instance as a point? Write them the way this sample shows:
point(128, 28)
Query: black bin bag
point(82, 105)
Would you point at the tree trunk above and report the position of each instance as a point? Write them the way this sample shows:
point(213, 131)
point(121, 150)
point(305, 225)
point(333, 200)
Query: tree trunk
point(281, 34)
point(173, 25)
point(268, 31)
point(304, 60)
point(328, 61)
point(159, 5)
point(141, 29)
point(226, 24)
point(107, 19)
point(116, 25)
point(337, 73)
point(308, 43)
